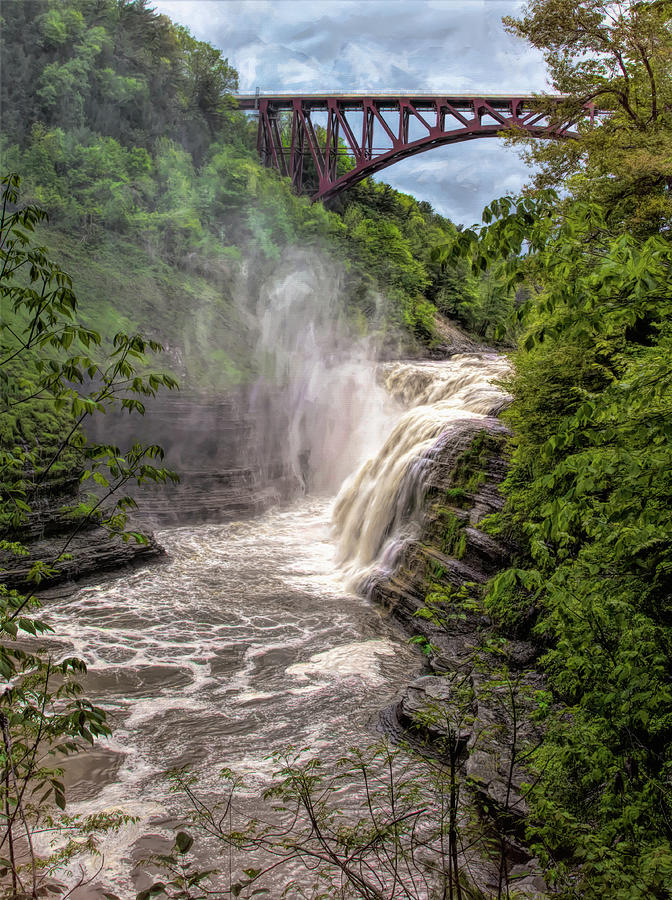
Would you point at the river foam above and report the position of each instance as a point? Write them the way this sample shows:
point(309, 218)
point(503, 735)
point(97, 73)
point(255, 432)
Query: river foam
point(251, 637)
point(245, 641)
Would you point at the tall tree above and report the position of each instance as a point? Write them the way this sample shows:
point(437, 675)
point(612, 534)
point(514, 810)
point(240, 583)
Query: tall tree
point(617, 55)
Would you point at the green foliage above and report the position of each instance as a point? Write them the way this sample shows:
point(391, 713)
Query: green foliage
point(588, 491)
point(617, 56)
point(444, 606)
point(469, 471)
point(116, 68)
point(54, 373)
point(408, 233)
point(371, 826)
point(424, 645)
point(588, 496)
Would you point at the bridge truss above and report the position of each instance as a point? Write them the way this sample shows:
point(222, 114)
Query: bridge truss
point(378, 131)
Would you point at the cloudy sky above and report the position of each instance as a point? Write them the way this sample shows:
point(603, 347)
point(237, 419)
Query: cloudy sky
point(447, 46)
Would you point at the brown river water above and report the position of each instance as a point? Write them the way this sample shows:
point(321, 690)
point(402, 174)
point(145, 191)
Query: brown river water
point(250, 637)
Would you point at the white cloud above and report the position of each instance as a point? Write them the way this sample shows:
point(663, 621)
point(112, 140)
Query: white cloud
point(294, 73)
point(460, 179)
point(416, 45)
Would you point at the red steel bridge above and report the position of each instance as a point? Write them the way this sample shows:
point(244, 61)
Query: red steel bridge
point(377, 131)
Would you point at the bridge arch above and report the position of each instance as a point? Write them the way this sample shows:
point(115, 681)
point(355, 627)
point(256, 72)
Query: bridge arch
point(359, 121)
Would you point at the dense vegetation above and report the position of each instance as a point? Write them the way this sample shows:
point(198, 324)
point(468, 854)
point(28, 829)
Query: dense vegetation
point(122, 127)
point(589, 490)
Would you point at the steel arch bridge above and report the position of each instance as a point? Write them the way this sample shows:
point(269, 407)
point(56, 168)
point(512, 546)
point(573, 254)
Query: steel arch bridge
point(380, 130)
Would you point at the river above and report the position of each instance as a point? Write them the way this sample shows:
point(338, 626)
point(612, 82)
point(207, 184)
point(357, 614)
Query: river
point(251, 637)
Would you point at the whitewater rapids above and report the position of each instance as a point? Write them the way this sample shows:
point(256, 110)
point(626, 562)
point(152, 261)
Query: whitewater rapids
point(251, 637)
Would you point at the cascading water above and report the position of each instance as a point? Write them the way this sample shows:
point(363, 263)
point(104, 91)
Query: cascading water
point(249, 638)
point(377, 509)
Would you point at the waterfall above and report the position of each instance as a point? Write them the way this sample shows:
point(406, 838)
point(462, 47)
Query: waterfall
point(378, 508)
point(317, 402)
point(326, 415)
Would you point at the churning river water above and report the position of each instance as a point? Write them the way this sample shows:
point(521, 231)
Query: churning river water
point(246, 641)
point(249, 637)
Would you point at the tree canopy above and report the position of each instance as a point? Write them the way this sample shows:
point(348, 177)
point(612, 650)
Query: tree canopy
point(588, 490)
point(617, 55)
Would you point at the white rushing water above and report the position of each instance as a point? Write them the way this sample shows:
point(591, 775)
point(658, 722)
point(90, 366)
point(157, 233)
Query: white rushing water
point(249, 638)
point(378, 506)
point(326, 411)
point(246, 641)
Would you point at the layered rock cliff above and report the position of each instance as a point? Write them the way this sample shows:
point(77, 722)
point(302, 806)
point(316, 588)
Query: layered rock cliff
point(434, 590)
point(66, 543)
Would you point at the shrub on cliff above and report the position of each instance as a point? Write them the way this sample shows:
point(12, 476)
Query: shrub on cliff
point(588, 498)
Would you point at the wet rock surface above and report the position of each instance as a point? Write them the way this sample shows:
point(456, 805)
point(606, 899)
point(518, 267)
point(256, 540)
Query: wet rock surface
point(420, 708)
point(491, 733)
point(91, 551)
point(403, 590)
point(69, 546)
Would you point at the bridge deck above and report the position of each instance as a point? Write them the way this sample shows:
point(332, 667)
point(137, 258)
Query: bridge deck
point(354, 100)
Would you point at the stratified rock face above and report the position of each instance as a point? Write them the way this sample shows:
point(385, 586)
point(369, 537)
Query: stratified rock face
point(52, 531)
point(465, 704)
point(225, 471)
point(461, 486)
point(419, 711)
point(91, 551)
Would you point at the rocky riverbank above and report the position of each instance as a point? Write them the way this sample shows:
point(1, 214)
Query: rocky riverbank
point(207, 441)
point(477, 695)
point(66, 544)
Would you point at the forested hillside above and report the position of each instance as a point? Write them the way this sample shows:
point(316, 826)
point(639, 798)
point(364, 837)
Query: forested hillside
point(128, 137)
